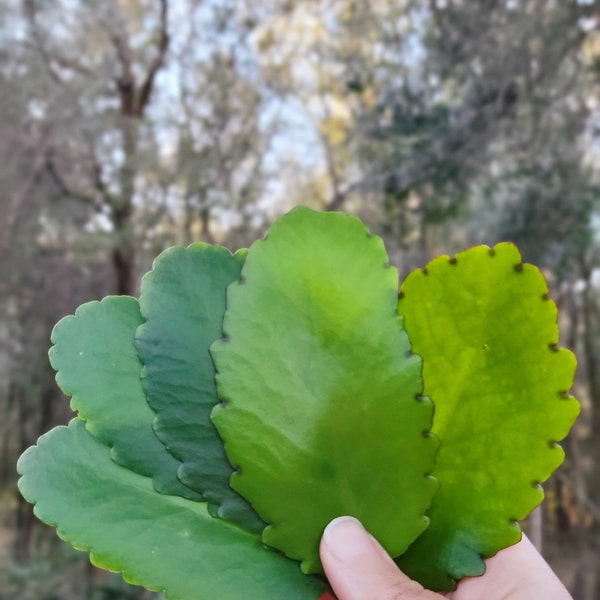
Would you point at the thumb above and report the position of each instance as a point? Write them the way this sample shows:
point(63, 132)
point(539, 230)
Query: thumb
point(358, 567)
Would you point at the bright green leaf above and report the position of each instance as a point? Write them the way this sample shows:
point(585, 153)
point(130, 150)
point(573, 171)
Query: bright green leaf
point(183, 301)
point(487, 334)
point(158, 541)
point(97, 363)
point(323, 413)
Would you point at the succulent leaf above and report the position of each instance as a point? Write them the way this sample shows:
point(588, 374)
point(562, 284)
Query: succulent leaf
point(488, 336)
point(322, 412)
point(165, 543)
point(97, 364)
point(183, 301)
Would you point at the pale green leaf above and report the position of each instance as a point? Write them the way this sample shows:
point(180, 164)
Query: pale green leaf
point(97, 364)
point(164, 543)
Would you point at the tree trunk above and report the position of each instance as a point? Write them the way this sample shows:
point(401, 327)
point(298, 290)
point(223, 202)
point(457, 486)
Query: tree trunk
point(536, 528)
point(575, 451)
point(24, 514)
point(123, 255)
point(134, 98)
point(589, 349)
point(206, 233)
point(6, 464)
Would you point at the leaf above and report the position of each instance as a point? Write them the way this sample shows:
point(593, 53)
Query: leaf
point(487, 333)
point(183, 301)
point(97, 363)
point(161, 542)
point(322, 410)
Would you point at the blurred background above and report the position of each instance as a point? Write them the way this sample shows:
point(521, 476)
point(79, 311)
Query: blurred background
point(127, 126)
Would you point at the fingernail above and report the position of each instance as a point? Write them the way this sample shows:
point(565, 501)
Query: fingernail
point(347, 539)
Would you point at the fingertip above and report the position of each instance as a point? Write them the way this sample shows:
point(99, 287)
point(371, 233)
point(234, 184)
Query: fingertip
point(358, 567)
point(344, 540)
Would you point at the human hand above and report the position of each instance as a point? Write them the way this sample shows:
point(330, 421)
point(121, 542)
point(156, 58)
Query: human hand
point(358, 568)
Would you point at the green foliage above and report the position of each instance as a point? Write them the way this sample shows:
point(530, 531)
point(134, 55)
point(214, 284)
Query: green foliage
point(183, 302)
point(320, 410)
point(316, 374)
point(158, 541)
point(97, 364)
point(487, 333)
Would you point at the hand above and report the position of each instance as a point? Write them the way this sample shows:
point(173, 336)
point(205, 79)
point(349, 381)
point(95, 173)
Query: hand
point(358, 568)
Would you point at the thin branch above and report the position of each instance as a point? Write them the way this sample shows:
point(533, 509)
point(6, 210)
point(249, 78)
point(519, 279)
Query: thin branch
point(63, 187)
point(126, 80)
point(51, 58)
point(159, 60)
point(96, 168)
point(17, 199)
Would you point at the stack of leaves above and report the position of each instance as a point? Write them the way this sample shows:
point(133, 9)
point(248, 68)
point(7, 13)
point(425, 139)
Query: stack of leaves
point(245, 400)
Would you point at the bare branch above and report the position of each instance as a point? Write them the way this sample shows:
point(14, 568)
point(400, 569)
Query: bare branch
point(126, 80)
point(50, 59)
point(134, 101)
point(19, 196)
point(63, 187)
point(96, 172)
point(159, 60)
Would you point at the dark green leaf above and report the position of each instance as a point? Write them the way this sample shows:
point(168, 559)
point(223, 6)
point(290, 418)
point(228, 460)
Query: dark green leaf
point(183, 301)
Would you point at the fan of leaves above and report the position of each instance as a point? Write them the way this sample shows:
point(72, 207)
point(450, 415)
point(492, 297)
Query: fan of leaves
point(247, 399)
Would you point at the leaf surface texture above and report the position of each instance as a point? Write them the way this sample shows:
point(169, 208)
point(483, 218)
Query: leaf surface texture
point(183, 302)
point(487, 334)
point(97, 364)
point(322, 413)
point(165, 543)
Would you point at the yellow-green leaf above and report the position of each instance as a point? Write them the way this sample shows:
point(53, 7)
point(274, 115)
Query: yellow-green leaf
point(487, 333)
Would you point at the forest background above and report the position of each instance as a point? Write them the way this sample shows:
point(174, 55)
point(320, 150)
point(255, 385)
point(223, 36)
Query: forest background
point(127, 126)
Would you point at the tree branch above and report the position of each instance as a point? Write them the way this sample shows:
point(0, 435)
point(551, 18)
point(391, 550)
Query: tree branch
point(53, 58)
point(126, 80)
point(158, 62)
point(63, 187)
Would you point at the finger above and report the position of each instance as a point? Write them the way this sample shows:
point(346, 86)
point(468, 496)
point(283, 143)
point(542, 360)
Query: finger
point(359, 568)
point(517, 573)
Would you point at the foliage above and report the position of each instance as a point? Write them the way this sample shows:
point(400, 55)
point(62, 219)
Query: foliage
point(481, 307)
point(178, 373)
point(331, 366)
point(441, 123)
point(319, 403)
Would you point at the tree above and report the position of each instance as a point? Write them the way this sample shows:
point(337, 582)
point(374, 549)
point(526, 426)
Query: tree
point(96, 152)
point(106, 87)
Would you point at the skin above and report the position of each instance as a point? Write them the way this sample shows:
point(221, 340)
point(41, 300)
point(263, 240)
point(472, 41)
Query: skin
point(358, 568)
